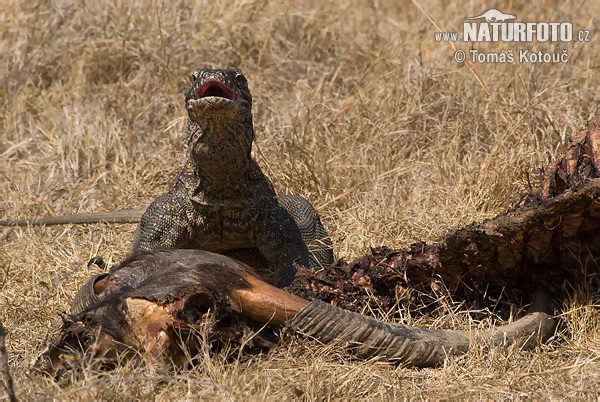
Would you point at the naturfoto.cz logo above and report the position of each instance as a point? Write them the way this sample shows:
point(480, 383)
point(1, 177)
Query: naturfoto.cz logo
point(496, 26)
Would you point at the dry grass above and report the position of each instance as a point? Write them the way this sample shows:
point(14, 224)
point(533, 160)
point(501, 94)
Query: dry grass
point(356, 107)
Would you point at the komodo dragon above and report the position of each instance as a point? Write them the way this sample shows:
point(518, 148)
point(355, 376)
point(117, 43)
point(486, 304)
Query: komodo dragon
point(221, 201)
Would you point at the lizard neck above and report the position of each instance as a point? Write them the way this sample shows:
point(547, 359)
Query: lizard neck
point(220, 157)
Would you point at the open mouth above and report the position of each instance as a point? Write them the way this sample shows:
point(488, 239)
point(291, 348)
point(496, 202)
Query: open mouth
point(214, 96)
point(214, 88)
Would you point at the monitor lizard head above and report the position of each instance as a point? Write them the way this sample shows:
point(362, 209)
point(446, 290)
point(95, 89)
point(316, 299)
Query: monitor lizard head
point(217, 92)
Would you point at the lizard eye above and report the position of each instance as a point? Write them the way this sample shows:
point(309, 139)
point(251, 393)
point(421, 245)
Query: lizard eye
point(240, 79)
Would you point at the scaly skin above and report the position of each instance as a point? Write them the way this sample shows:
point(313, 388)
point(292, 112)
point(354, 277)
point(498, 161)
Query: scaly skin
point(221, 201)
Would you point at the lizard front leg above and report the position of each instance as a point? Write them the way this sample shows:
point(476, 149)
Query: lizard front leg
point(164, 225)
point(316, 238)
point(279, 240)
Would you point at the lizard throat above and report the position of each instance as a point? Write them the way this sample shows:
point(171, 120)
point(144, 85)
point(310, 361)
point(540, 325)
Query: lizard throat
point(220, 155)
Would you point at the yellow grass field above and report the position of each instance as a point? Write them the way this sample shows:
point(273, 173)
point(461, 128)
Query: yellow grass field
point(356, 106)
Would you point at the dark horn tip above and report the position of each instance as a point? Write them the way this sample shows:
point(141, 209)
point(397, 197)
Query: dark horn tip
point(98, 261)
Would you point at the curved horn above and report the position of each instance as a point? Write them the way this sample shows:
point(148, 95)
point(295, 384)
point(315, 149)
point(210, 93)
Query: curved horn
point(415, 346)
point(266, 303)
point(88, 294)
